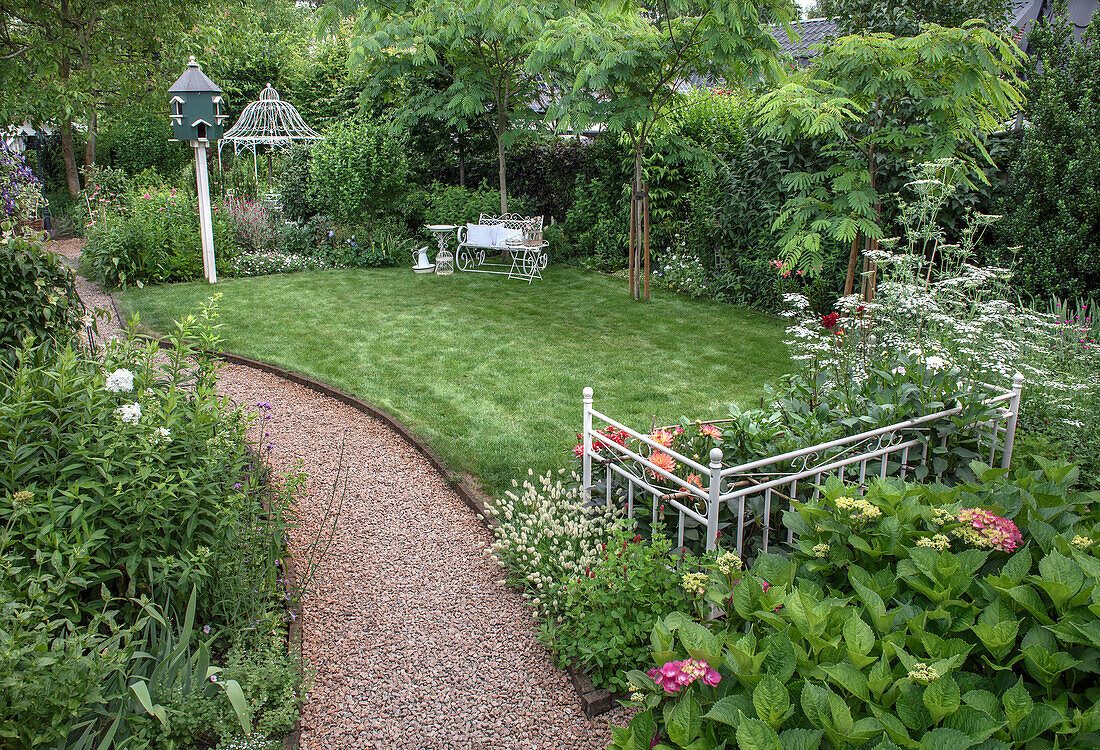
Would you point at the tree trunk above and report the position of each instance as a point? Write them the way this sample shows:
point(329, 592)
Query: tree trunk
point(502, 173)
point(853, 258)
point(68, 153)
point(89, 147)
point(461, 160)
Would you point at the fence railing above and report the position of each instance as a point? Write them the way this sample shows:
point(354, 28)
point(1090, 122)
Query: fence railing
point(769, 483)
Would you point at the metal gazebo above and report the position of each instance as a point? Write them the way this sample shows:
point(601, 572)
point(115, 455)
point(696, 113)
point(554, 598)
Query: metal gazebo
point(268, 122)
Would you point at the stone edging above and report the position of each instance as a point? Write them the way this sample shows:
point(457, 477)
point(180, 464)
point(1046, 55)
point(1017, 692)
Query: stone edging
point(594, 701)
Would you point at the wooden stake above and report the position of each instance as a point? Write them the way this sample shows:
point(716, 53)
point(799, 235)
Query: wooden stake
point(645, 219)
point(630, 257)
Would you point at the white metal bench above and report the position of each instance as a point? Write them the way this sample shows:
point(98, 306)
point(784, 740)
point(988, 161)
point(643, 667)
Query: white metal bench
point(518, 236)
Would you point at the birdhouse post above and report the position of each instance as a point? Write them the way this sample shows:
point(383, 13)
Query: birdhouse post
point(195, 108)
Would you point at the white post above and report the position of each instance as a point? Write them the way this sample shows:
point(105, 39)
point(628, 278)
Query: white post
point(586, 460)
point(713, 502)
point(206, 228)
point(1010, 425)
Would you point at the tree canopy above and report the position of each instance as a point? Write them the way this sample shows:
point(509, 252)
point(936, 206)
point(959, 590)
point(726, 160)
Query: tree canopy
point(881, 99)
point(477, 50)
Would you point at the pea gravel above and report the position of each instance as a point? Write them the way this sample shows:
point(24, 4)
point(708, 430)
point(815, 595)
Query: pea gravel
point(412, 638)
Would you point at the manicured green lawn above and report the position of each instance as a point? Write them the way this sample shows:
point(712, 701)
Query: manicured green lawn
point(488, 370)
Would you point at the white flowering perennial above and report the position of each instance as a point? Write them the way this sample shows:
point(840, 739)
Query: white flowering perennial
point(944, 315)
point(129, 413)
point(120, 381)
point(161, 435)
point(548, 536)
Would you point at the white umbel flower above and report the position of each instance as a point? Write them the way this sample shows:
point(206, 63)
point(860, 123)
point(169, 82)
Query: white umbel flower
point(129, 413)
point(120, 381)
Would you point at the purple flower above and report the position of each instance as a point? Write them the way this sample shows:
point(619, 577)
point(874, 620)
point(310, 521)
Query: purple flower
point(237, 486)
point(206, 629)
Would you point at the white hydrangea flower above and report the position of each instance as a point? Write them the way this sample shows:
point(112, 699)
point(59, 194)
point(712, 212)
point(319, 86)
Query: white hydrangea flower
point(120, 381)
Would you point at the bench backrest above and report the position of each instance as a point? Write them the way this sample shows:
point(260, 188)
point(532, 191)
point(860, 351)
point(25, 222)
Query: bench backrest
point(512, 221)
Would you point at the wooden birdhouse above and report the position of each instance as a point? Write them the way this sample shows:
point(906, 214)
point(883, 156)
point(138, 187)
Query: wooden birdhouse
point(195, 106)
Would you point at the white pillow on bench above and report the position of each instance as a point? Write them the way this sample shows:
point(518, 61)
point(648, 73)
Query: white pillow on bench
point(480, 235)
point(503, 234)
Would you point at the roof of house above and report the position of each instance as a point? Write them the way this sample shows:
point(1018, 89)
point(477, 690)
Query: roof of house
point(810, 31)
point(1025, 13)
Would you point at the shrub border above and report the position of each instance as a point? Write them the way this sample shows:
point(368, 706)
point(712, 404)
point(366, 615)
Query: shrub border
point(594, 701)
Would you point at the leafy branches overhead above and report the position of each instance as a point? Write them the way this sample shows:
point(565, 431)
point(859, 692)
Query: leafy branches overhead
point(622, 67)
point(882, 101)
point(476, 51)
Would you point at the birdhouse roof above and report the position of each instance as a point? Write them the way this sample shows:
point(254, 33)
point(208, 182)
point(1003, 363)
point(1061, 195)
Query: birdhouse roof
point(193, 79)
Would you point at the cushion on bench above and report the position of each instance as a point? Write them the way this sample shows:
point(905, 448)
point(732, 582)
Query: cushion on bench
point(481, 235)
point(503, 234)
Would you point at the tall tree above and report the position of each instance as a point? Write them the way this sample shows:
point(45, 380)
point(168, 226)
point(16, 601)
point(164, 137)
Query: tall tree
point(625, 68)
point(481, 49)
point(66, 60)
point(880, 100)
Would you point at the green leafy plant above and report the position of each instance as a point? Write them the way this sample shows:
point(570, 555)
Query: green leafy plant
point(359, 171)
point(911, 616)
point(611, 609)
point(37, 293)
point(1051, 227)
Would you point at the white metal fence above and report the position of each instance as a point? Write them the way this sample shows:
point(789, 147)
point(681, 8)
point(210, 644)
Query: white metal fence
point(895, 450)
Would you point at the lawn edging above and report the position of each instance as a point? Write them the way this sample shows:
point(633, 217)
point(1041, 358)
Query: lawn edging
point(594, 701)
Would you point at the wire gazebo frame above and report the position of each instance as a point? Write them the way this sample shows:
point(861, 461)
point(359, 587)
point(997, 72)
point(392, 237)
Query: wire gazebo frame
point(269, 122)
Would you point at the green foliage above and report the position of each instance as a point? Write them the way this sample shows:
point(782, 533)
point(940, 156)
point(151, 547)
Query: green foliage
point(124, 487)
point(609, 613)
point(616, 67)
point(149, 236)
point(542, 173)
point(138, 139)
point(471, 58)
point(360, 171)
point(888, 627)
point(37, 293)
point(450, 204)
point(1051, 227)
point(101, 550)
point(906, 17)
point(294, 182)
point(864, 98)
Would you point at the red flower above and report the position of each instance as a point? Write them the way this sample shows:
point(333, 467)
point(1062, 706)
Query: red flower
point(830, 321)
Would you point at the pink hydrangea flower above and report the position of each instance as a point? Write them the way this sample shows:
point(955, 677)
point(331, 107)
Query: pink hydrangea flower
point(989, 530)
point(674, 675)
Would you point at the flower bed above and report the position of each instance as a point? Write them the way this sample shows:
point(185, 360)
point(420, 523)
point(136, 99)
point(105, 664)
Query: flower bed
point(911, 616)
point(142, 542)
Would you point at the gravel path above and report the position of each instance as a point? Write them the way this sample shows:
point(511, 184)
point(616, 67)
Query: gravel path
point(413, 639)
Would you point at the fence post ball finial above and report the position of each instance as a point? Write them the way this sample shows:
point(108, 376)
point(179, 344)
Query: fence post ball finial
point(715, 456)
point(587, 393)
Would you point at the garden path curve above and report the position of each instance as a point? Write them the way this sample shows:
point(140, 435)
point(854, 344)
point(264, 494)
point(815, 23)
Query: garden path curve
point(413, 639)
